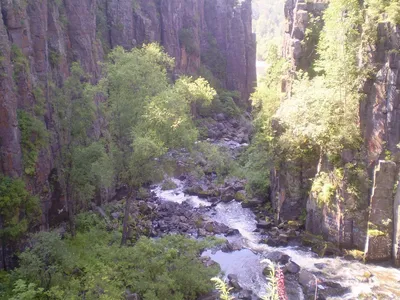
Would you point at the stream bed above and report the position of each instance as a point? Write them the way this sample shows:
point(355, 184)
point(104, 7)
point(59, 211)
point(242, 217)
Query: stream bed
point(358, 280)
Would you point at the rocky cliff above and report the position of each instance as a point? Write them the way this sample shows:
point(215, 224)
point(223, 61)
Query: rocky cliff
point(369, 221)
point(39, 40)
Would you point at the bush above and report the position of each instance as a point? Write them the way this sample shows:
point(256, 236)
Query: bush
point(33, 139)
point(186, 39)
point(94, 266)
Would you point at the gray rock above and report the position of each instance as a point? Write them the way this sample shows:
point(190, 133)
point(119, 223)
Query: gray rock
point(320, 266)
point(264, 225)
point(234, 282)
point(251, 203)
point(245, 295)
point(278, 257)
point(116, 215)
point(292, 267)
point(307, 280)
point(220, 117)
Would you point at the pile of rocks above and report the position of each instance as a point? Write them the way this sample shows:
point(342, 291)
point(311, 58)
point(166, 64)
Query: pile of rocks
point(153, 217)
point(303, 281)
point(287, 233)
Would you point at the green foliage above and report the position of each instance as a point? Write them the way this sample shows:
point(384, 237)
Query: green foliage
point(262, 153)
point(272, 285)
point(40, 105)
point(393, 12)
point(381, 10)
point(54, 58)
point(20, 61)
point(33, 138)
point(186, 40)
point(268, 19)
point(83, 163)
point(214, 59)
point(93, 265)
point(323, 111)
point(218, 159)
point(324, 188)
point(148, 114)
point(224, 102)
point(23, 291)
point(18, 209)
point(223, 289)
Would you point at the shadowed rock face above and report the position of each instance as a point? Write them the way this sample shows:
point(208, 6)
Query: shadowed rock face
point(52, 34)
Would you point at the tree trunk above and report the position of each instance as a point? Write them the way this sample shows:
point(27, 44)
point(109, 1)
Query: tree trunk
point(131, 196)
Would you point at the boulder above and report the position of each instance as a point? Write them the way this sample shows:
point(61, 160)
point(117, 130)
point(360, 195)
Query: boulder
point(116, 215)
point(264, 225)
point(251, 203)
point(234, 282)
point(292, 267)
point(217, 228)
point(245, 295)
point(278, 257)
point(220, 117)
point(307, 280)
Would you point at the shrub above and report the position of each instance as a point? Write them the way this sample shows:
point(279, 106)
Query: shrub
point(92, 264)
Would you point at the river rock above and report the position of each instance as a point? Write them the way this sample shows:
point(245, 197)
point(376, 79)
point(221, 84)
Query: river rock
point(232, 232)
point(217, 228)
point(230, 247)
point(332, 289)
point(234, 282)
point(292, 267)
point(278, 257)
point(245, 295)
point(320, 266)
point(251, 203)
point(264, 224)
point(283, 238)
point(307, 280)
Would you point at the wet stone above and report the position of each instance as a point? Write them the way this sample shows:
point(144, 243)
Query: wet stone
point(292, 267)
point(234, 282)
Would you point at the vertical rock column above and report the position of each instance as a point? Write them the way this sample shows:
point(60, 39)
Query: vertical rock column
point(380, 224)
point(396, 229)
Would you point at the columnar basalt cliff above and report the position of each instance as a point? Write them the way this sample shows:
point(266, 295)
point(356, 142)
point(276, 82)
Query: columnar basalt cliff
point(39, 40)
point(370, 221)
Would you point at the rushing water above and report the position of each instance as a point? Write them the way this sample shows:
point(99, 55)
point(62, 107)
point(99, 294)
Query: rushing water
point(247, 265)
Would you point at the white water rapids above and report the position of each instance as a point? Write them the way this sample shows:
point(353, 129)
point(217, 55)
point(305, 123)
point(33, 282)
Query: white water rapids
point(246, 263)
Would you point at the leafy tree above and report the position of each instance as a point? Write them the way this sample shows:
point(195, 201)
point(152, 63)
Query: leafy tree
point(324, 110)
point(148, 114)
point(18, 210)
point(261, 155)
point(82, 164)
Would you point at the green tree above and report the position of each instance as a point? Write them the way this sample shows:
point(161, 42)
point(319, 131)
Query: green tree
point(148, 114)
point(83, 164)
point(18, 211)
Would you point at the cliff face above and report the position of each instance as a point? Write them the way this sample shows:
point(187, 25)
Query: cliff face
point(40, 39)
point(371, 222)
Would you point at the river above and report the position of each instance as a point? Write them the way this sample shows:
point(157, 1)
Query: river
point(360, 279)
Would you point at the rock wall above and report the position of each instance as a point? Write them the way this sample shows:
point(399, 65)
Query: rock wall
point(40, 39)
point(371, 221)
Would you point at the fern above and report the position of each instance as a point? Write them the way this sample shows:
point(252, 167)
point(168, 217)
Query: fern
point(272, 285)
point(222, 288)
